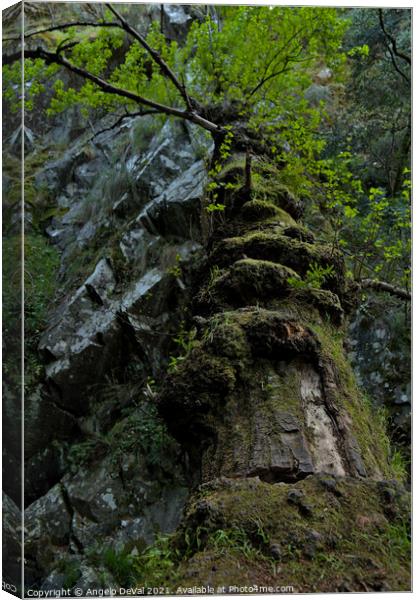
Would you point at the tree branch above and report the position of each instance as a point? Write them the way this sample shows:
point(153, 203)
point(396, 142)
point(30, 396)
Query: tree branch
point(64, 26)
point(284, 69)
point(140, 113)
point(155, 56)
point(383, 286)
point(392, 39)
point(54, 58)
point(393, 50)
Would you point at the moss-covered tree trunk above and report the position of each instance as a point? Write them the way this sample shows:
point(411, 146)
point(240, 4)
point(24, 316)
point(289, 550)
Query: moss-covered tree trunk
point(290, 459)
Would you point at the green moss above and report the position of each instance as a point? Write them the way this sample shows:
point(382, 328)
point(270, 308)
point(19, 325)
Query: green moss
point(325, 301)
point(347, 539)
point(274, 247)
point(226, 338)
point(299, 232)
point(270, 188)
point(248, 282)
point(233, 170)
point(282, 390)
point(258, 210)
point(198, 385)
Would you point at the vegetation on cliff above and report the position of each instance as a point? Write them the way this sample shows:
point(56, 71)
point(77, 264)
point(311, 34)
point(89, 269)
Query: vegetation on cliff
point(290, 476)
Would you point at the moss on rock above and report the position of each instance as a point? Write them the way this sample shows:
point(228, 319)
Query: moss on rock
point(325, 301)
point(248, 281)
point(321, 534)
point(278, 248)
point(196, 388)
point(258, 210)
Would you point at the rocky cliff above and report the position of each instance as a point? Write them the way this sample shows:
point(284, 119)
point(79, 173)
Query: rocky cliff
point(180, 383)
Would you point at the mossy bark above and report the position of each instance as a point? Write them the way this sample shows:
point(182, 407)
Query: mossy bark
point(267, 394)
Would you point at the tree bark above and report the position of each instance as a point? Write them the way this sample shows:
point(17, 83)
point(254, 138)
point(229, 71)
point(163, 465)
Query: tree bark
point(383, 286)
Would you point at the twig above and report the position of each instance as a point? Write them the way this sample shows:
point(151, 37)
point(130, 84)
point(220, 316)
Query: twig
point(140, 113)
point(393, 51)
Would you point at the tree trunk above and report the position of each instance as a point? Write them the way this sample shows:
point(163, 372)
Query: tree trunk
point(268, 411)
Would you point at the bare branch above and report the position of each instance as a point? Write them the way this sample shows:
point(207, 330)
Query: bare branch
point(392, 40)
point(284, 69)
point(393, 49)
point(395, 65)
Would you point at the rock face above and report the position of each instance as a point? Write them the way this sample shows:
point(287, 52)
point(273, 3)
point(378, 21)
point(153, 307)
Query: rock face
point(11, 542)
point(127, 234)
point(379, 348)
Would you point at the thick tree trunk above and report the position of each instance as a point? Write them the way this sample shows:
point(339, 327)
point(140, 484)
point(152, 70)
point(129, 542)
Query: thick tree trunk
point(267, 397)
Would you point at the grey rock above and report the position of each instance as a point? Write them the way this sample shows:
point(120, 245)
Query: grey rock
point(47, 527)
point(121, 512)
point(54, 581)
point(45, 421)
point(93, 578)
point(11, 540)
point(176, 211)
point(294, 496)
point(276, 551)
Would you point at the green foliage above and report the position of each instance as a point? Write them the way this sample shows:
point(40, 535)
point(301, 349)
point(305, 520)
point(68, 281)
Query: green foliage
point(235, 540)
point(156, 564)
point(259, 54)
point(399, 465)
point(176, 270)
point(259, 57)
point(381, 136)
point(185, 341)
point(41, 268)
point(82, 452)
point(141, 432)
point(315, 277)
point(211, 208)
point(71, 571)
point(376, 230)
point(120, 563)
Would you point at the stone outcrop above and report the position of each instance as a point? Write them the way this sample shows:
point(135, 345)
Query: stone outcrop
point(111, 328)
